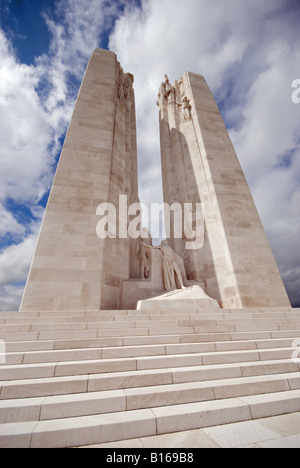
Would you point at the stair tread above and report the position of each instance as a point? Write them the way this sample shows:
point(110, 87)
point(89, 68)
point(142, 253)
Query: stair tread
point(66, 343)
point(77, 354)
point(58, 368)
point(75, 378)
point(70, 405)
point(68, 432)
point(131, 379)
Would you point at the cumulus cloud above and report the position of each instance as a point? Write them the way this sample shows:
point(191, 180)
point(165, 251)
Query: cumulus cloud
point(27, 134)
point(15, 261)
point(36, 101)
point(9, 225)
point(11, 296)
point(270, 131)
point(79, 30)
point(24, 132)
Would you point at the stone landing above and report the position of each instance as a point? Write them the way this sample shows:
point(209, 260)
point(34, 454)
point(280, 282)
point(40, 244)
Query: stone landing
point(189, 298)
point(78, 378)
point(275, 432)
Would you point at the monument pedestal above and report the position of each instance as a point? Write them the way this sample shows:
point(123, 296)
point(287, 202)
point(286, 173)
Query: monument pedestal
point(189, 298)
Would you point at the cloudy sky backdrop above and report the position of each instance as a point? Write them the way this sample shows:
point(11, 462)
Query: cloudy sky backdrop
point(249, 53)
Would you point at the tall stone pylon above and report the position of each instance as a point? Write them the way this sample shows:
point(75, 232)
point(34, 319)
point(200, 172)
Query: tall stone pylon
point(72, 268)
point(199, 165)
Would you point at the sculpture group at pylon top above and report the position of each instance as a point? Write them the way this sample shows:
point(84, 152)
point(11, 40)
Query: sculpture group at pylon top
point(167, 93)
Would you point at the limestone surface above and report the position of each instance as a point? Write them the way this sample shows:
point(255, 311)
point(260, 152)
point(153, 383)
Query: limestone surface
point(199, 165)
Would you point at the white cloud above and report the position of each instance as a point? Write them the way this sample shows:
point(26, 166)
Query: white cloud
point(27, 132)
point(36, 101)
point(10, 297)
point(9, 225)
point(24, 132)
point(78, 32)
point(270, 129)
point(15, 261)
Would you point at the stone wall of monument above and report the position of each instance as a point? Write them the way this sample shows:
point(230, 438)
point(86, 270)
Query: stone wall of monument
point(72, 267)
point(199, 165)
point(120, 259)
point(75, 269)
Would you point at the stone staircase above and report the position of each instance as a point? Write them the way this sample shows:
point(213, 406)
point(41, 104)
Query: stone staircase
point(82, 378)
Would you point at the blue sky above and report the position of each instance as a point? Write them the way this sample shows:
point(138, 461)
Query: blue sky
point(249, 52)
point(22, 22)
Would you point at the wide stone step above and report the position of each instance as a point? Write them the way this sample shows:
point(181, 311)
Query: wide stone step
point(34, 357)
point(49, 386)
point(84, 377)
point(85, 404)
point(12, 326)
point(80, 343)
point(91, 325)
point(139, 331)
point(101, 428)
point(154, 316)
point(97, 312)
point(98, 333)
point(96, 366)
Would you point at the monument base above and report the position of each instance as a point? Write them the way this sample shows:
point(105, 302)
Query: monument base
point(192, 297)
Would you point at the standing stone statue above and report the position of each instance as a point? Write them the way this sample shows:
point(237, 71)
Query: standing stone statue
point(186, 109)
point(172, 275)
point(173, 267)
point(142, 250)
point(170, 93)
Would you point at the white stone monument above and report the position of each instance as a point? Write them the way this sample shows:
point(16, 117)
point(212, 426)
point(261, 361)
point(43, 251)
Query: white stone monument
point(214, 341)
point(75, 269)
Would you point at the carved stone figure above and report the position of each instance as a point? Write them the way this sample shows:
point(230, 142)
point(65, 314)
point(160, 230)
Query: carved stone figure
point(172, 274)
point(144, 253)
point(186, 109)
point(162, 90)
point(161, 94)
point(120, 85)
point(173, 270)
point(170, 93)
point(181, 87)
